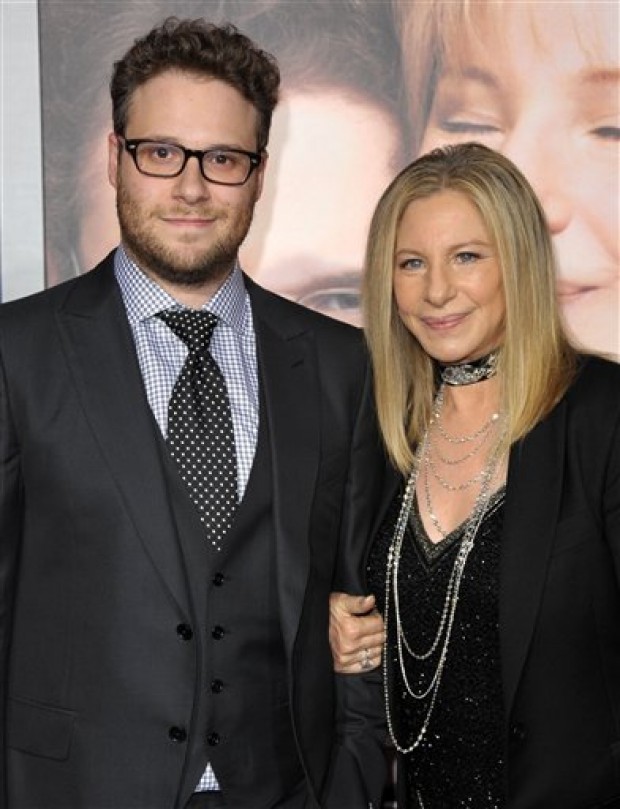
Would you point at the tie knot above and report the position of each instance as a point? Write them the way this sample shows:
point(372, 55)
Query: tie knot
point(194, 327)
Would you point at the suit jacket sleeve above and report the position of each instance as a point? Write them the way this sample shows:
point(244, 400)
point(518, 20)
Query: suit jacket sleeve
point(358, 771)
point(611, 500)
point(10, 522)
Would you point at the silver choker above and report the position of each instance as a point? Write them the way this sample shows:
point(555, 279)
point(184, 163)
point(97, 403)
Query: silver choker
point(467, 373)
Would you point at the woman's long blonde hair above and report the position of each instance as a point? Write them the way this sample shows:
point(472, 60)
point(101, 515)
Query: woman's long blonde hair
point(536, 363)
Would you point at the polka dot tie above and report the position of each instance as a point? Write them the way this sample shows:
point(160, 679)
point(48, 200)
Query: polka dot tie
point(200, 430)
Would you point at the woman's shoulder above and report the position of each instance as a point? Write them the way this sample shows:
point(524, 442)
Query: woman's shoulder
point(593, 399)
point(596, 379)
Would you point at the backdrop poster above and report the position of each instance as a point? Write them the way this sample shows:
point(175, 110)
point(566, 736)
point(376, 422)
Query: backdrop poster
point(367, 85)
point(21, 197)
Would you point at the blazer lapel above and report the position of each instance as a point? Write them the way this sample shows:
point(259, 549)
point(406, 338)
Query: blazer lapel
point(101, 353)
point(287, 369)
point(532, 505)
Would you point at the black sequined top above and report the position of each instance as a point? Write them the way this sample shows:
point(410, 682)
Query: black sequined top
point(460, 760)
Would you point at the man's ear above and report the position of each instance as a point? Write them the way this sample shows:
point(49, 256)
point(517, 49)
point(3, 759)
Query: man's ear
point(114, 156)
point(260, 171)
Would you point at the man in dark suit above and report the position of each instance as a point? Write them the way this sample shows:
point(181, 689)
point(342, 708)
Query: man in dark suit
point(154, 657)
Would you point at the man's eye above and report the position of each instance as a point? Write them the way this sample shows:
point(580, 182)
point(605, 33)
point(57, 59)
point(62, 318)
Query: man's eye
point(220, 159)
point(158, 153)
point(162, 152)
point(332, 300)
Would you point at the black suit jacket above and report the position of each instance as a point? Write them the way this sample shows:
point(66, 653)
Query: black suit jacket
point(560, 602)
point(95, 579)
point(559, 605)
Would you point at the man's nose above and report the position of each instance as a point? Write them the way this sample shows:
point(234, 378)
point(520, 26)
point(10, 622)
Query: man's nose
point(190, 184)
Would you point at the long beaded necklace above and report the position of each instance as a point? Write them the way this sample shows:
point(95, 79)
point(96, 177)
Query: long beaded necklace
point(443, 635)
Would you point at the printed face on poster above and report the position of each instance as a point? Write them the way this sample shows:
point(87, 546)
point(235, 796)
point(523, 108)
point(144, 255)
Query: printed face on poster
point(365, 89)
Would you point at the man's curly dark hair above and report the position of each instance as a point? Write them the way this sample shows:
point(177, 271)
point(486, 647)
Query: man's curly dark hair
point(220, 52)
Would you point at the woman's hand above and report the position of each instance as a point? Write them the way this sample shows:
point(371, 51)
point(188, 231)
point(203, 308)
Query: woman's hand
point(355, 633)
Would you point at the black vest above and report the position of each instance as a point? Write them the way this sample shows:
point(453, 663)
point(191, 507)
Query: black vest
point(244, 705)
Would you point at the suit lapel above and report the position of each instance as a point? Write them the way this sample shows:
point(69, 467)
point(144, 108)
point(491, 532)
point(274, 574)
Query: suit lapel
point(532, 506)
point(287, 369)
point(101, 353)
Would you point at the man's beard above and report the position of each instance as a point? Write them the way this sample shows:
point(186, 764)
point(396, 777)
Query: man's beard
point(167, 263)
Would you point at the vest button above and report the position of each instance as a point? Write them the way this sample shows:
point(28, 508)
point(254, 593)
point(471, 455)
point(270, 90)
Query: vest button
point(218, 579)
point(218, 632)
point(217, 686)
point(177, 734)
point(518, 733)
point(213, 739)
point(184, 631)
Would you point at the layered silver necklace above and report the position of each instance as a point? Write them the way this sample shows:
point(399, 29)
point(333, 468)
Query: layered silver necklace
point(441, 642)
point(478, 438)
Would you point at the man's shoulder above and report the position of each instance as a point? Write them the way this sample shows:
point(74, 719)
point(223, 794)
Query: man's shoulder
point(45, 302)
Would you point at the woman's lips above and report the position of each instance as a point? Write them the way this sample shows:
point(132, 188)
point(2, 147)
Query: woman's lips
point(570, 293)
point(443, 323)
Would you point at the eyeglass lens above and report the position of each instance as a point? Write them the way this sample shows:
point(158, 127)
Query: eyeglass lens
point(167, 160)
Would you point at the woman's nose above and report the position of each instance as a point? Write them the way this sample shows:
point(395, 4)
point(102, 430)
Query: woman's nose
point(542, 161)
point(439, 285)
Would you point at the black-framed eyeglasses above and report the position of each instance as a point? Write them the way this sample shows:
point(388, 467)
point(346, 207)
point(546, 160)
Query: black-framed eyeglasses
point(219, 164)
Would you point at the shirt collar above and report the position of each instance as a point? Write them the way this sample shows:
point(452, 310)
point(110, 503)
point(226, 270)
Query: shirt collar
point(144, 298)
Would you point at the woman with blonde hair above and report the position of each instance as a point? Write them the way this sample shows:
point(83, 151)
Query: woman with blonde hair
point(497, 566)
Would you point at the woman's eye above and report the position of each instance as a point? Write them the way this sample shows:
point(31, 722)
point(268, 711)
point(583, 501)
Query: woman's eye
point(466, 257)
point(459, 127)
point(607, 132)
point(411, 264)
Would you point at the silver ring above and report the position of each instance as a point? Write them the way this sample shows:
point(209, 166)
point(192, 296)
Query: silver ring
point(366, 662)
